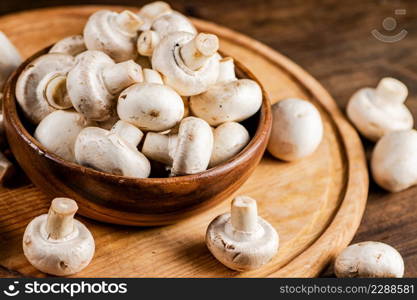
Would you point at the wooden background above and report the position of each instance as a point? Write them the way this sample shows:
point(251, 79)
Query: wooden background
point(332, 40)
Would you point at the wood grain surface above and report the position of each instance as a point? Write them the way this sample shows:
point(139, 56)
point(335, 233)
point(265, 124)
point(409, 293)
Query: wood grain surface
point(331, 39)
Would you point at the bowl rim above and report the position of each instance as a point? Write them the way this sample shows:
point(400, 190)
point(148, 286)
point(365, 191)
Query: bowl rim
point(262, 131)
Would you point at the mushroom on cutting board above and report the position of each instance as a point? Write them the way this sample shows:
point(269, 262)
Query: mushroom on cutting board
point(187, 152)
point(112, 151)
point(297, 129)
point(164, 111)
point(113, 33)
point(241, 240)
point(376, 112)
point(40, 88)
point(95, 81)
point(56, 243)
point(229, 100)
point(369, 259)
point(394, 160)
point(71, 45)
point(58, 131)
point(229, 139)
point(188, 63)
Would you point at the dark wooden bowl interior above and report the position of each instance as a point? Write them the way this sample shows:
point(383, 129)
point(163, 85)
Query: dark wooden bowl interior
point(125, 200)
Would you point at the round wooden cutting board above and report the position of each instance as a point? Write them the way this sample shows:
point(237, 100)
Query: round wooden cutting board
point(315, 204)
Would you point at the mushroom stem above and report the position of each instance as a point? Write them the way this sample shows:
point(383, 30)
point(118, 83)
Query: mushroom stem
point(56, 93)
point(60, 221)
point(147, 42)
point(226, 70)
point(6, 169)
point(127, 132)
point(244, 214)
point(128, 22)
point(196, 52)
point(152, 76)
point(391, 91)
point(119, 76)
point(160, 147)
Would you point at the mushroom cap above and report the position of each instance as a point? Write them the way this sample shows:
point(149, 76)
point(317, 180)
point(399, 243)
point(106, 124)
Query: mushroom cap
point(163, 112)
point(58, 132)
point(32, 82)
point(369, 259)
point(394, 160)
point(297, 129)
point(58, 257)
point(151, 11)
point(194, 147)
point(104, 34)
point(374, 117)
point(229, 139)
point(86, 86)
point(71, 45)
point(10, 59)
point(105, 151)
point(172, 22)
point(167, 60)
point(239, 250)
point(232, 101)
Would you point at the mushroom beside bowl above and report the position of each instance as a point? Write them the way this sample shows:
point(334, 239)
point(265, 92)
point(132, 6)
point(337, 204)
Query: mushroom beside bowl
point(126, 200)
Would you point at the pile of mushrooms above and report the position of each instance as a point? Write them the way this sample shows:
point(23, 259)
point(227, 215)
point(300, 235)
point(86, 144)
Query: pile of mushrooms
point(135, 88)
point(381, 116)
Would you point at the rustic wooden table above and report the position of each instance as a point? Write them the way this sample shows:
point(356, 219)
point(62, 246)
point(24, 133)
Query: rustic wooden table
point(333, 41)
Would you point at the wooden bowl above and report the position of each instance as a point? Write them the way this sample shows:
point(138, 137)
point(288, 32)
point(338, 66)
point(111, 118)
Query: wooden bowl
point(125, 200)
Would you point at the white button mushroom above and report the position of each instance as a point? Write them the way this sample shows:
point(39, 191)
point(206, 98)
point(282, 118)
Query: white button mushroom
point(112, 151)
point(375, 112)
point(241, 240)
point(113, 33)
point(147, 41)
point(369, 259)
point(297, 129)
point(151, 11)
point(188, 152)
point(95, 81)
point(159, 17)
point(173, 22)
point(150, 106)
point(58, 132)
point(194, 147)
point(40, 88)
point(394, 160)
point(163, 26)
point(228, 100)
point(56, 243)
point(7, 169)
point(129, 133)
point(187, 63)
point(229, 139)
point(71, 45)
point(10, 59)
